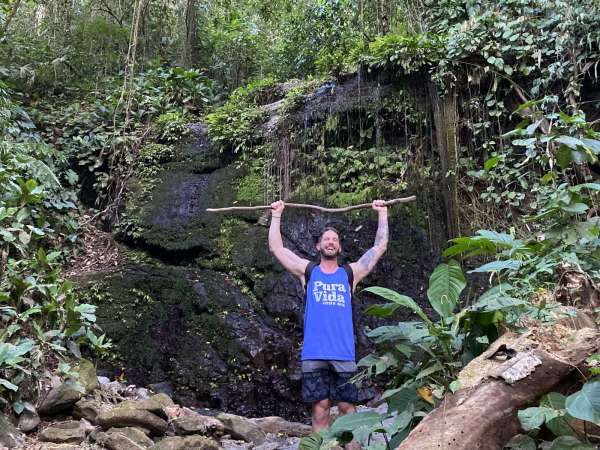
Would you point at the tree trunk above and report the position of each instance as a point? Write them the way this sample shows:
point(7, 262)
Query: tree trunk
point(483, 413)
point(445, 118)
point(188, 52)
point(11, 16)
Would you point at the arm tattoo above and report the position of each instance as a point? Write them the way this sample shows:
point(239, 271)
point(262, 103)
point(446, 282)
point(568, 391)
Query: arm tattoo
point(366, 259)
point(382, 233)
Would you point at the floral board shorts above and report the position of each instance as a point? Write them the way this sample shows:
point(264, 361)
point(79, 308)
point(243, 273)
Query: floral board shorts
point(323, 379)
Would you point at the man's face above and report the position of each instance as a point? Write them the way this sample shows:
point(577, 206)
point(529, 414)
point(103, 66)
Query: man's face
point(329, 245)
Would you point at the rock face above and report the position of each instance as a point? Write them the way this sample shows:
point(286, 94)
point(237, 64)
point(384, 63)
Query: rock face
point(193, 423)
point(68, 432)
point(10, 436)
point(28, 421)
point(186, 443)
point(241, 428)
point(125, 438)
point(276, 425)
point(58, 399)
point(207, 309)
point(88, 409)
point(129, 417)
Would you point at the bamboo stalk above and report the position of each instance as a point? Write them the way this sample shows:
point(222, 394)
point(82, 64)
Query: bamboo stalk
point(318, 208)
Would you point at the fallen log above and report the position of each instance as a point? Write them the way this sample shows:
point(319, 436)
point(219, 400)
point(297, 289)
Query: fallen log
point(483, 413)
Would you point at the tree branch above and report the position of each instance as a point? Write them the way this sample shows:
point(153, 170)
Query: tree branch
point(318, 208)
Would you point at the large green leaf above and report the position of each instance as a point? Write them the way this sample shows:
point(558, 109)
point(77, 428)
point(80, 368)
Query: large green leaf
point(532, 418)
point(496, 266)
point(445, 285)
point(585, 404)
point(311, 442)
point(413, 332)
point(521, 442)
point(570, 443)
point(350, 422)
point(399, 299)
point(382, 310)
point(401, 399)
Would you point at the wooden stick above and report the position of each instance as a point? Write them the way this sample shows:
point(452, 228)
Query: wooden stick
point(318, 208)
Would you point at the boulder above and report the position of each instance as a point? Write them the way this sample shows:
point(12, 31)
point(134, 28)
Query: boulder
point(10, 436)
point(58, 399)
point(241, 428)
point(164, 387)
point(186, 443)
point(68, 432)
point(52, 446)
point(28, 420)
point(129, 417)
point(268, 446)
point(127, 438)
point(87, 376)
point(155, 404)
point(191, 422)
point(278, 425)
point(89, 409)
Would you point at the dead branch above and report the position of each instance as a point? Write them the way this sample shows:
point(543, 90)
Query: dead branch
point(318, 208)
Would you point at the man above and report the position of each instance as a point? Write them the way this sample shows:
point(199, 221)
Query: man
point(328, 351)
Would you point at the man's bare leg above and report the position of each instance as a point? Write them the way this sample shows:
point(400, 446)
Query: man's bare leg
point(320, 414)
point(348, 408)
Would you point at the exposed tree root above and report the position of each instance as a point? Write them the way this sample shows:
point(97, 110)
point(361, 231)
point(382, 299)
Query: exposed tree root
point(513, 374)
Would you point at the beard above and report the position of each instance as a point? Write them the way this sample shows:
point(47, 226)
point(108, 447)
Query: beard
point(329, 254)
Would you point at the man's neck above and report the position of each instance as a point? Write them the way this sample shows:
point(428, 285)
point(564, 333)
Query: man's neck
point(329, 265)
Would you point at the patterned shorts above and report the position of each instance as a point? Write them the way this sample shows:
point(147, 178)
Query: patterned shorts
point(328, 379)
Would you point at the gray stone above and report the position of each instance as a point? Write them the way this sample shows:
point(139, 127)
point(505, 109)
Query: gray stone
point(113, 387)
point(10, 436)
point(28, 420)
point(68, 432)
point(154, 404)
point(126, 438)
point(87, 376)
point(89, 409)
point(164, 387)
point(52, 446)
point(129, 417)
point(59, 399)
point(103, 380)
point(277, 425)
point(268, 446)
point(191, 422)
point(186, 443)
point(241, 428)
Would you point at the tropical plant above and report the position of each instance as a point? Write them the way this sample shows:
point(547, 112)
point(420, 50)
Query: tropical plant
point(558, 414)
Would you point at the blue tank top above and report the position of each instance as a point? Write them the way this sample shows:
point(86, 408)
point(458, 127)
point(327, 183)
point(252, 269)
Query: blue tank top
point(328, 326)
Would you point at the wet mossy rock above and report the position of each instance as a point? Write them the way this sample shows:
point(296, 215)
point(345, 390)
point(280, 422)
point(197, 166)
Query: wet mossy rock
point(196, 328)
point(168, 199)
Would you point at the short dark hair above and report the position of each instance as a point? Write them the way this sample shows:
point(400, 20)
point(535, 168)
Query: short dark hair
point(325, 230)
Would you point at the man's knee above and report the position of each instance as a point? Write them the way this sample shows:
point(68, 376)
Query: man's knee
point(320, 413)
point(346, 408)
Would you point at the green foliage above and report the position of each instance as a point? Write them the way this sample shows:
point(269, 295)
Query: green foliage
point(41, 317)
point(172, 126)
point(438, 345)
point(410, 53)
point(557, 413)
point(234, 126)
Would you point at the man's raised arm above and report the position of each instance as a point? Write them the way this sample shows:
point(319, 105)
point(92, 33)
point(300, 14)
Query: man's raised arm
point(365, 264)
point(288, 259)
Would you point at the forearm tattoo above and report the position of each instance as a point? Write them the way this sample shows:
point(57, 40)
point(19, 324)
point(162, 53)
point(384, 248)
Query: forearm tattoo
point(366, 259)
point(382, 232)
